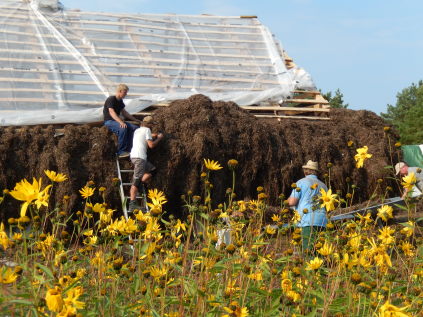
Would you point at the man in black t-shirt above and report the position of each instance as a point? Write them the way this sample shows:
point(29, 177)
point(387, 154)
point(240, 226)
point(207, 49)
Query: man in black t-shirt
point(113, 108)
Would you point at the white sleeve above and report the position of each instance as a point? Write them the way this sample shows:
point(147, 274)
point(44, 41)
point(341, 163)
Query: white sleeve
point(148, 135)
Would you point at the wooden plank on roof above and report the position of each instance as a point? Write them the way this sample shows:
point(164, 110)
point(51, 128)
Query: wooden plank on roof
point(291, 117)
point(132, 66)
point(144, 58)
point(306, 101)
point(295, 109)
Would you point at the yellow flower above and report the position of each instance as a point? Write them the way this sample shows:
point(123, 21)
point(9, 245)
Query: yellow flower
point(286, 285)
point(385, 235)
point(389, 310)
point(179, 225)
point(385, 212)
point(55, 177)
point(158, 272)
point(87, 191)
point(407, 248)
point(328, 199)
point(409, 181)
point(257, 276)
point(276, 218)
point(27, 192)
point(361, 156)
point(293, 296)
point(212, 165)
point(97, 207)
point(235, 310)
point(232, 163)
point(326, 249)
point(314, 264)
point(72, 297)
point(54, 299)
point(270, 230)
point(7, 275)
point(408, 229)
point(4, 239)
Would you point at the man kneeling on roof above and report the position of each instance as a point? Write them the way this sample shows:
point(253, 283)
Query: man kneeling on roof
point(113, 108)
point(143, 169)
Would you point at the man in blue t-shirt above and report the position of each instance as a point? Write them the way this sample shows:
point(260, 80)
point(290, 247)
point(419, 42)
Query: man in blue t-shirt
point(305, 200)
point(113, 108)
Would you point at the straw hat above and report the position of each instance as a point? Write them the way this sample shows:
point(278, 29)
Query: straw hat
point(312, 165)
point(148, 119)
point(398, 167)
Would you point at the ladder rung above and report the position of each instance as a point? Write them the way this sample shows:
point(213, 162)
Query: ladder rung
point(126, 184)
point(126, 171)
point(138, 197)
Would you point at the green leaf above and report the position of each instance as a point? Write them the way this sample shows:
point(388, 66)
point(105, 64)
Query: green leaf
point(46, 270)
point(21, 301)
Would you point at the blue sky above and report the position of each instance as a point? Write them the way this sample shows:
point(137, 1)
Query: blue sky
point(369, 49)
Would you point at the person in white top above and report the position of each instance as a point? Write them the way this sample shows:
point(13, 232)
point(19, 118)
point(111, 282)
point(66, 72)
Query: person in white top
point(143, 139)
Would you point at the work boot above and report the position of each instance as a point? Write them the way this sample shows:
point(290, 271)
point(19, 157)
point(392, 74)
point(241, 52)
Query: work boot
point(123, 155)
point(133, 206)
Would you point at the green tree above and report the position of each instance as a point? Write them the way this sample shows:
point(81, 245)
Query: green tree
point(337, 100)
point(407, 114)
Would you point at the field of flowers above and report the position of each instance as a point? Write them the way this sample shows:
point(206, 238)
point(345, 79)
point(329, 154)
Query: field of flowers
point(90, 263)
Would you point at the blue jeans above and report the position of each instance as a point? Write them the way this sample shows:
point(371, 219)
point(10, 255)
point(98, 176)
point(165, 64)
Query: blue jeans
point(125, 135)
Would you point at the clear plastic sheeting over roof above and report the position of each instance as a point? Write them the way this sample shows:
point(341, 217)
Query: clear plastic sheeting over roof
point(58, 65)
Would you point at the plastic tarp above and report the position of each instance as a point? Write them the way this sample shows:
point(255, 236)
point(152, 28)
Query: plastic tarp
point(59, 65)
point(413, 155)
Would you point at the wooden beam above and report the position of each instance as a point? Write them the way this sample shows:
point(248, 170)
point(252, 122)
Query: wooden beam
point(295, 109)
point(291, 117)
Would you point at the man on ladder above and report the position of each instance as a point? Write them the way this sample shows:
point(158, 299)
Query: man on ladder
point(143, 139)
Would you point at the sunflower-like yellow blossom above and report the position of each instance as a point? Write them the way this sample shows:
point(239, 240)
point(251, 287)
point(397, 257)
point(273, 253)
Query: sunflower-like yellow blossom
point(4, 239)
point(179, 226)
point(389, 310)
point(47, 244)
point(212, 165)
point(232, 163)
point(270, 230)
point(158, 272)
point(408, 229)
point(409, 181)
point(157, 197)
point(235, 310)
point(386, 235)
point(314, 264)
point(87, 192)
point(256, 276)
point(55, 177)
point(7, 275)
point(407, 248)
point(99, 208)
point(361, 156)
point(293, 296)
point(231, 288)
point(122, 226)
point(385, 212)
point(326, 249)
point(276, 218)
point(72, 295)
point(27, 192)
point(286, 285)
point(296, 218)
point(328, 199)
point(54, 299)
point(106, 216)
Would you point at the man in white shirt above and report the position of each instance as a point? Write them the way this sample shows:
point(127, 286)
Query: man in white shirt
point(143, 139)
